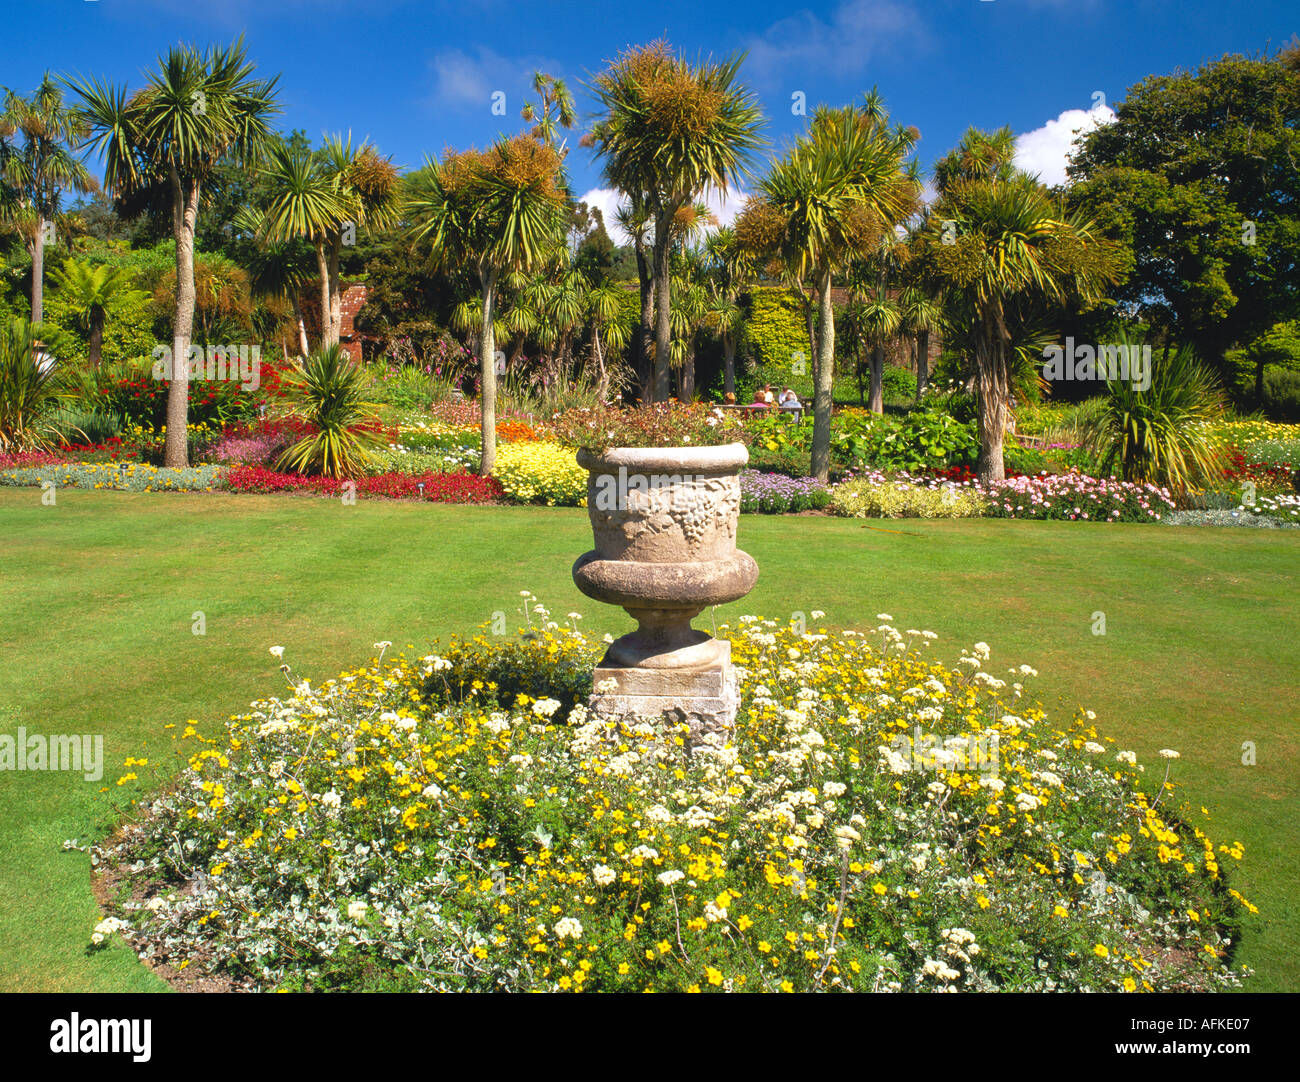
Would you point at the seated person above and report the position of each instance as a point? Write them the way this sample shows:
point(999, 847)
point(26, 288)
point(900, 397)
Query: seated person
point(760, 399)
point(789, 400)
point(768, 396)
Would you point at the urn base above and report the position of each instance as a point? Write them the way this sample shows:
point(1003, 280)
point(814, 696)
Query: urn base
point(704, 697)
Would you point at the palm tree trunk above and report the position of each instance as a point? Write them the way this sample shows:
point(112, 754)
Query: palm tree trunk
point(302, 326)
point(729, 363)
point(603, 385)
point(185, 213)
point(95, 347)
point(663, 300)
point(323, 265)
point(922, 362)
point(643, 334)
point(992, 393)
point(876, 401)
point(37, 252)
point(488, 375)
point(336, 295)
point(824, 381)
point(688, 373)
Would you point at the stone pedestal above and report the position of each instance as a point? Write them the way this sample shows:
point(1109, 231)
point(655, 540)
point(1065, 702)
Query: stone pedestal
point(704, 697)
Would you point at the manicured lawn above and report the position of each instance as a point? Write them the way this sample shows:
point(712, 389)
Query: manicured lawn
point(98, 596)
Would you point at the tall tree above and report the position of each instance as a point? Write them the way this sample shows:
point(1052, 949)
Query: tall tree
point(921, 315)
point(92, 290)
point(1001, 249)
point(669, 130)
point(830, 199)
point(325, 198)
point(495, 212)
point(730, 269)
point(1198, 179)
point(38, 168)
point(197, 110)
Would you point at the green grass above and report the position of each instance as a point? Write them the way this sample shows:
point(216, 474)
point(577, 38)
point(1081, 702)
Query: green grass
point(98, 594)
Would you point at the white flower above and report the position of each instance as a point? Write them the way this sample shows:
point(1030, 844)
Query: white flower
point(1026, 802)
point(1168, 753)
point(383, 645)
point(357, 910)
point(277, 652)
point(817, 614)
point(834, 788)
point(670, 877)
point(1093, 747)
point(883, 616)
point(331, 799)
point(1126, 757)
point(982, 651)
point(568, 928)
point(996, 784)
point(603, 875)
point(544, 708)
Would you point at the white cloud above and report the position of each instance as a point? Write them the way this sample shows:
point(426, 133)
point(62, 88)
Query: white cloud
point(725, 208)
point(1046, 150)
point(462, 79)
point(803, 45)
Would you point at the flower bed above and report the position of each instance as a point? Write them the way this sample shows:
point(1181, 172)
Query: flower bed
point(777, 494)
point(541, 472)
point(1076, 496)
point(419, 824)
point(438, 487)
point(136, 477)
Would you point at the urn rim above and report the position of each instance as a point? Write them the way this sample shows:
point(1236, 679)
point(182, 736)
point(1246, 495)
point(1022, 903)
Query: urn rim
point(711, 458)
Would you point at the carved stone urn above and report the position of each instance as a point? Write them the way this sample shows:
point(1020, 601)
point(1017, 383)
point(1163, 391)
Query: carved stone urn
point(664, 521)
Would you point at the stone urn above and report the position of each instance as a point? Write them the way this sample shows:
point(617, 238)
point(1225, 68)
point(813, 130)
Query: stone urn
point(664, 522)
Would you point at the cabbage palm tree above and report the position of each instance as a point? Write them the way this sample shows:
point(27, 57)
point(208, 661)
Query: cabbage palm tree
point(831, 198)
point(197, 111)
point(278, 269)
point(493, 212)
point(324, 198)
point(39, 169)
point(91, 291)
point(670, 130)
point(1001, 248)
point(921, 316)
point(880, 320)
point(606, 313)
point(730, 269)
point(689, 313)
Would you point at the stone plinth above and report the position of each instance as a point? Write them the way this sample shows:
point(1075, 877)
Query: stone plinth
point(705, 698)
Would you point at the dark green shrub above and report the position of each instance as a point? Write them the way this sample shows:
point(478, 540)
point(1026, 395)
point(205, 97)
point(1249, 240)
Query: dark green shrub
point(1282, 394)
point(498, 672)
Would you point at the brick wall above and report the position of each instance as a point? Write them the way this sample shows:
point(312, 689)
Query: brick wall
point(349, 338)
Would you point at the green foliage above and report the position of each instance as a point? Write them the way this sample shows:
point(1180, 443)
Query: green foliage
point(128, 314)
point(497, 672)
point(867, 498)
point(777, 338)
point(1197, 179)
point(1282, 394)
point(1159, 435)
point(898, 383)
point(30, 391)
point(923, 439)
point(329, 393)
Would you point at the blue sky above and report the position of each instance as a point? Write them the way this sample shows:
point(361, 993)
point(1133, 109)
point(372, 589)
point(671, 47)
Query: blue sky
point(416, 76)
